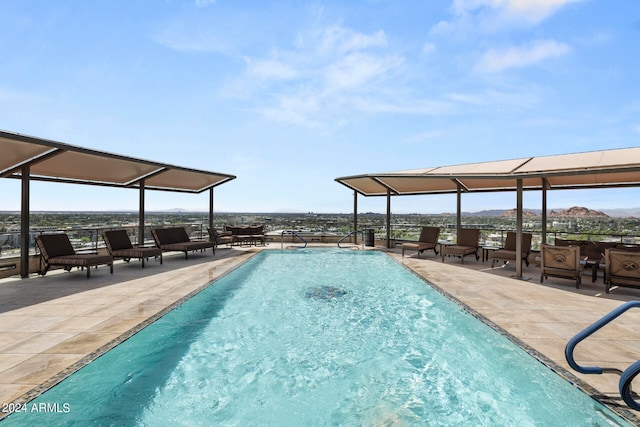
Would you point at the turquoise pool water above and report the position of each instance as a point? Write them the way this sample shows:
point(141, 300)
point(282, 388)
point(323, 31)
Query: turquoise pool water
point(316, 337)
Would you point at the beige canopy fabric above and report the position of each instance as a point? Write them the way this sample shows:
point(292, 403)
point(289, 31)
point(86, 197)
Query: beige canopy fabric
point(597, 169)
point(55, 161)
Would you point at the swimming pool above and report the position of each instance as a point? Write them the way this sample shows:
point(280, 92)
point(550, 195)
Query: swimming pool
point(316, 337)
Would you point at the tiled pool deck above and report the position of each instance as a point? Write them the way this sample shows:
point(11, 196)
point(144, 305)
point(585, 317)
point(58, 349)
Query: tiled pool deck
point(52, 325)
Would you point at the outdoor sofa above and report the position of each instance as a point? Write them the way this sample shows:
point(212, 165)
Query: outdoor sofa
point(119, 246)
point(56, 250)
point(177, 239)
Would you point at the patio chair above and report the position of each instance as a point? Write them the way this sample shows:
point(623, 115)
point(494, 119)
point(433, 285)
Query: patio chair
point(177, 239)
point(119, 246)
point(622, 268)
point(508, 252)
point(467, 244)
point(56, 250)
point(561, 261)
point(428, 240)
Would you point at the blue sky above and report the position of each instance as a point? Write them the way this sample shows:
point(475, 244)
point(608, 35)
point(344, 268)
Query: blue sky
point(289, 95)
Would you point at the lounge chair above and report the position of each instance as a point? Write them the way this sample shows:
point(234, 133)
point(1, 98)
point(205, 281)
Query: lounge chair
point(561, 261)
point(467, 244)
point(622, 268)
point(56, 250)
point(119, 246)
point(177, 239)
point(224, 238)
point(428, 240)
point(508, 252)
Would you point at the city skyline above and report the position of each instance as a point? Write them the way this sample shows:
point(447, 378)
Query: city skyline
point(289, 95)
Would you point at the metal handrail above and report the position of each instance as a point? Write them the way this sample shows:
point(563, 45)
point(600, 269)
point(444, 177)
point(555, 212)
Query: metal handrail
point(294, 233)
point(627, 376)
point(351, 234)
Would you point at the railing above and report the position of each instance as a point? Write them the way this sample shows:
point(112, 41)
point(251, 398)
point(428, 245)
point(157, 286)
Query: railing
point(90, 238)
point(352, 234)
point(295, 234)
point(626, 377)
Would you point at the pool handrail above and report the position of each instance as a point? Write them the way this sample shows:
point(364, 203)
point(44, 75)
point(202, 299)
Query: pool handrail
point(349, 235)
point(294, 233)
point(627, 376)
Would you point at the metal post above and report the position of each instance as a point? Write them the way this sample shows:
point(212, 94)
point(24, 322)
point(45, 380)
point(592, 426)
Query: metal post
point(24, 224)
point(141, 215)
point(544, 212)
point(355, 215)
point(519, 229)
point(458, 211)
point(388, 218)
point(211, 208)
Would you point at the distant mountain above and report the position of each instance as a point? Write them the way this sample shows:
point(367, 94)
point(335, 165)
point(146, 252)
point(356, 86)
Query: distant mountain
point(525, 213)
point(578, 212)
point(574, 211)
point(623, 213)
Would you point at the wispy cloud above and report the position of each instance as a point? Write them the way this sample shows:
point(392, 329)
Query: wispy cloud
point(326, 76)
point(177, 37)
point(337, 39)
point(496, 60)
point(203, 3)
point(532, 11)
point(270, 69)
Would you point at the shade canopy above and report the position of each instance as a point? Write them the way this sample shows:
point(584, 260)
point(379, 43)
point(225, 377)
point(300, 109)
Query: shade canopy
point(54, 161)
point(597, 169)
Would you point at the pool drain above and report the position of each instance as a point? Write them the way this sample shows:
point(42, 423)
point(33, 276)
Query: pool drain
point(324, 293)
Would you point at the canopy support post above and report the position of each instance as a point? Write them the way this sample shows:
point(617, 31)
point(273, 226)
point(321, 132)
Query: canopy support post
point(519, 228)
point(141, 215)
point(458, 211)
point(211, 209)
point(544, 213)
point(355, 215)
point(388, 218)
point(24, 223)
